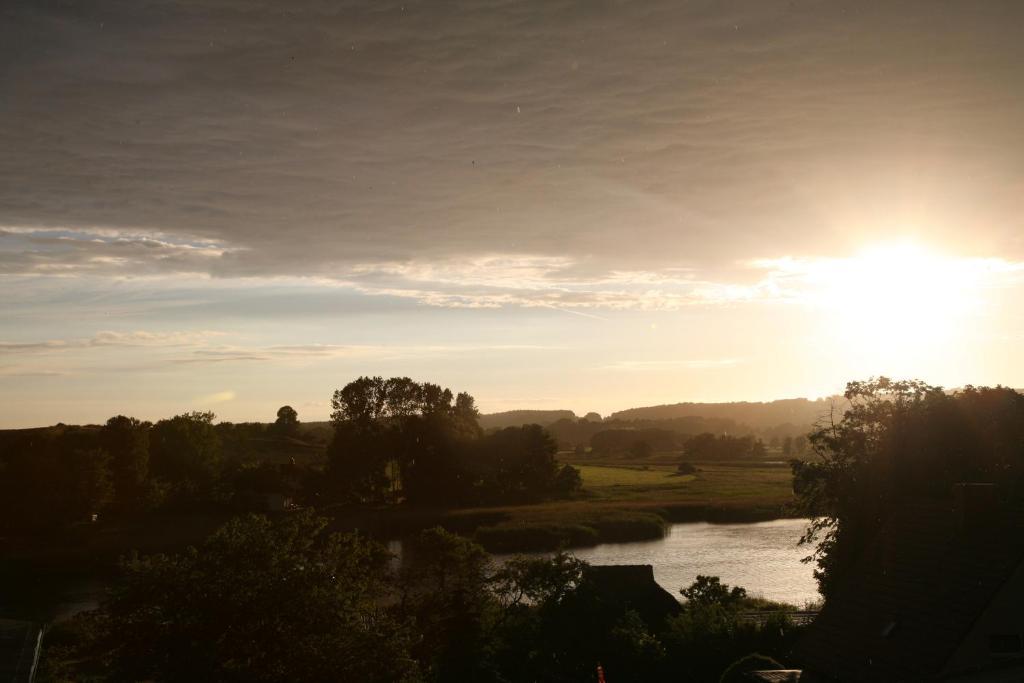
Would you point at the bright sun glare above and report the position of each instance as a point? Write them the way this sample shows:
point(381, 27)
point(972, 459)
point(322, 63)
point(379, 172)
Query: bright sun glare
point(896, 307)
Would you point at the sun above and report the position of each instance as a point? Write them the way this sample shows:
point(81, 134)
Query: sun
point(896, 308)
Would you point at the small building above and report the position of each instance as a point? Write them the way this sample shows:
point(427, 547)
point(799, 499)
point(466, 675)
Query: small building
point(20, 645)
point(938, 595)
point(632, 587)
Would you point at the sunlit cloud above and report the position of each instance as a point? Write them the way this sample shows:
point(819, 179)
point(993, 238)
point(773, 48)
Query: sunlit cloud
point(218, 397)
point(137, 338)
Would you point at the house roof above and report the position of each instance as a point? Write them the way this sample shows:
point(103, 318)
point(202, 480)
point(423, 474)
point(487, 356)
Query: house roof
point(776, 676)
point(632, 586)
point(912, 597)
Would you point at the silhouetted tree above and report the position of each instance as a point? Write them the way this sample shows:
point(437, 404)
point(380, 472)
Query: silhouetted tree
point(185, 452)
point(287, 421)
point(899, 440)
point(444, 591)
point(126, 440)
point(568, 481)
point(523, 461)
point(709, 590)
point(261, 601)
point(89, 482)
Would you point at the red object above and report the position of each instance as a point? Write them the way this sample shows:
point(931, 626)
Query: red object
point(600, 674)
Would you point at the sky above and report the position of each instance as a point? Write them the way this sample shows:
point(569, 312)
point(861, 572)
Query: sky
point(231, 205)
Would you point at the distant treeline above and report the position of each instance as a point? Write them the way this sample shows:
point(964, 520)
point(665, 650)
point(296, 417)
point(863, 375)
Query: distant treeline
point(391, 440)
point(65, 474)
point(571, 431)
point(516, 418)
point(786, 417)
point(703, 447)
point(759, 416)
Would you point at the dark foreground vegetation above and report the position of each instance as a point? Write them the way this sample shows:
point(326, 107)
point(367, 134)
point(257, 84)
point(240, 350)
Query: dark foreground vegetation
point(901, 441)
point(265, 600)
point(294, 597)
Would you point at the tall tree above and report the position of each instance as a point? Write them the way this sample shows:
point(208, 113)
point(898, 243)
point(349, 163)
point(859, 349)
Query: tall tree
point(185, 451)
point(287, 421)
point(126, 439)
point(900, 440)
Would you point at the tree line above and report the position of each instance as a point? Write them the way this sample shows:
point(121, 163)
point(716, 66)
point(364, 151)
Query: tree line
point(399, 439)
point(392, 440)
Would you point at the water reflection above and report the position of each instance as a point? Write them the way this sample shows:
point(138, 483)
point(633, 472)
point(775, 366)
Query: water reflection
point(763, 557)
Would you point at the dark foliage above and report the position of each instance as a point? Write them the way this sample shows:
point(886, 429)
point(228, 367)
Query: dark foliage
point(398, 439)
point(54, 477)
point(707, 446)
point(185, 453)
point(270, 600)
point(260, 601)
point(897, 441)
point(287, 421)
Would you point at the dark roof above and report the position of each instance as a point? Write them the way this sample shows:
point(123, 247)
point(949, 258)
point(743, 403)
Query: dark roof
point(912, 597)
point(778, 676)
point(632, 586)
point(19, 650)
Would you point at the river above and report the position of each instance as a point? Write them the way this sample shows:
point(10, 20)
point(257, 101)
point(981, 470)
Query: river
point(762, 557)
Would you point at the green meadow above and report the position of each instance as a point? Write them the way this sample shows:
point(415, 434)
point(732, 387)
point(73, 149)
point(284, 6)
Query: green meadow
point(632, 501)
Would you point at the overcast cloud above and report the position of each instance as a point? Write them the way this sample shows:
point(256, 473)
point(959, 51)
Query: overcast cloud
point(643, 186)
point(307, 138)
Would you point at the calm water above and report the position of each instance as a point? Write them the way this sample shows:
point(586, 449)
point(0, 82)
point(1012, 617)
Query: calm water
point(763, 557)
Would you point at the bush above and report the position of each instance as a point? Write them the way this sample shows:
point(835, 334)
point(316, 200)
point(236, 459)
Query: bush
point(686, 468)
point(568, 481)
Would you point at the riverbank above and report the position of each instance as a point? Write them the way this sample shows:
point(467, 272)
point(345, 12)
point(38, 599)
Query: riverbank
point(620, 502)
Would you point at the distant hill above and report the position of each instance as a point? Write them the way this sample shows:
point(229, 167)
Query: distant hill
point(516, 418)
point(795, 411)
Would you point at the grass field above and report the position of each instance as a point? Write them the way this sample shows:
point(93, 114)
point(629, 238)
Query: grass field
point(631, 501)
point(713, 483)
